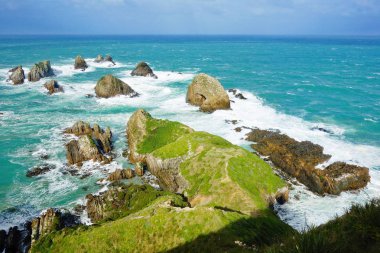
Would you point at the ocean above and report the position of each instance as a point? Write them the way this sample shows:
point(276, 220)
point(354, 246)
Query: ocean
point(322, 89)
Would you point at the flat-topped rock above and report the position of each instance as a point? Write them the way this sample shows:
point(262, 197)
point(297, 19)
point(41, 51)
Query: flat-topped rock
point(80, 63)
point(17, 75)
point(40, 70)
point(143, 69)
point(110, 86)
point(53, 87)
point(299, 160)
point(207, 93)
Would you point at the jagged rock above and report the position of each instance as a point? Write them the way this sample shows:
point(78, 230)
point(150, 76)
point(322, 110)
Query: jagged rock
point(282, 195)
point(80, 63)
point(299, 159)
point(49, 221)
point(53, 87)
point(120, 174)
point(207, 93)
point(143, 69)
point(139, 169)
point(109, 58)
point(16, 240)
point(39, 170)
point(40, 70)
point(92, 144)
point(17, 75)
point(236, 94)
point(99, 58)
point(110, 86)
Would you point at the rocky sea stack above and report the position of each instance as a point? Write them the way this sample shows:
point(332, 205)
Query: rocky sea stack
point(299, 160)
point(143, 69)
point(110, 86)
point(93, 144)
point(100, 59)
point(80, 63)
point(53, 87)
point(207, 93)
point(40, 70)
point(17, 75)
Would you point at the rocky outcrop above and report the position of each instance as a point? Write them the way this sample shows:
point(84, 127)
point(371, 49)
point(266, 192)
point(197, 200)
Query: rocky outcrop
point(143, 69)
point(93, 143)
point(237, 94)
point(53, 87)
point(39, 170)
point(80, 63)
point(100, 59)
point(299, 160)
point(136, 131)
point(120, 200)
point(16, 239)
point(17, 75)
point(40, 70)
point(110, 86)
point(207, 93)
point(49, 221)
point(120, 174)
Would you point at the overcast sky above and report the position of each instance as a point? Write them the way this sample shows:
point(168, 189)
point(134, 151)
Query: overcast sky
point(270, 17)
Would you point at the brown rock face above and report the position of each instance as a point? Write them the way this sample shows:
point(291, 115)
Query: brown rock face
point(80, 63)
point(120, 174)
point(48, 222)
point(53, 87)
point(92, 144)
point(40, 70)
point(299, 159)
point(17, 75)
point(143, 69)
point(207, 93)
point(110, 86)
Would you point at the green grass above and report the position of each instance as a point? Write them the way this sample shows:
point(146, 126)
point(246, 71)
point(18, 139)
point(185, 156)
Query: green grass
point(159, 133)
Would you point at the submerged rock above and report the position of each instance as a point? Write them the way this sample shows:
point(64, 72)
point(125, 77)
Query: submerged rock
point(39, 170)
point(207, 93)
point(40, 70)
point(92, 144)
point(17, 75)
point(110, 86)
point(53, 87)
point(80, 63)
point(100, 59)
point(143, 69)
point(237, 94)
point(299, 159)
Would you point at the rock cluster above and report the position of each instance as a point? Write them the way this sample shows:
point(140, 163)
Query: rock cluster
point(16, 240)
point(299, 159)
point(53, 87)
point(143, 69)
point(40, 70)
point(237, 94)
point(39, 170)
point(93, 143)
point(120, 174)
point(100, 59)
point(207, 93)
point(80, 63)
point(17, 75)
point(110, 86)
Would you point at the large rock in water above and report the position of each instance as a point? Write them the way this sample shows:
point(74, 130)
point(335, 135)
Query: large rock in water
point(110, 86)
point(143, 69)
point(40, 70)
point(299, 160)
point(93, 143)
point(207, 93)
point(17, 75)
point(80, 63)
point(100, 59)
point(53, 87)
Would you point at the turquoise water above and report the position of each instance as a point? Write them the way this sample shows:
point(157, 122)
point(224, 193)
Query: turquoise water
point(294, 84)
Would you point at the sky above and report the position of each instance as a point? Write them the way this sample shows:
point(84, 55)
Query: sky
point(258, 17)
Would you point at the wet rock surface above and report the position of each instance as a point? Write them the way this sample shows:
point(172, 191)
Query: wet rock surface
point(39, 170)
point(299, 160)
point(53, 87)
point(110, 86)
point(80, 63)
point(17, 75)
point(237, 94)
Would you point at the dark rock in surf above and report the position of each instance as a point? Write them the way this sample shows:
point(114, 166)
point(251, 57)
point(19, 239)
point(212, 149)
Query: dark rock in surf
point(40, 70)
point(80, 63)
point(143, 69)
point(39, 170)
point(110, 86)
point(53, 87)
point(17, 75)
